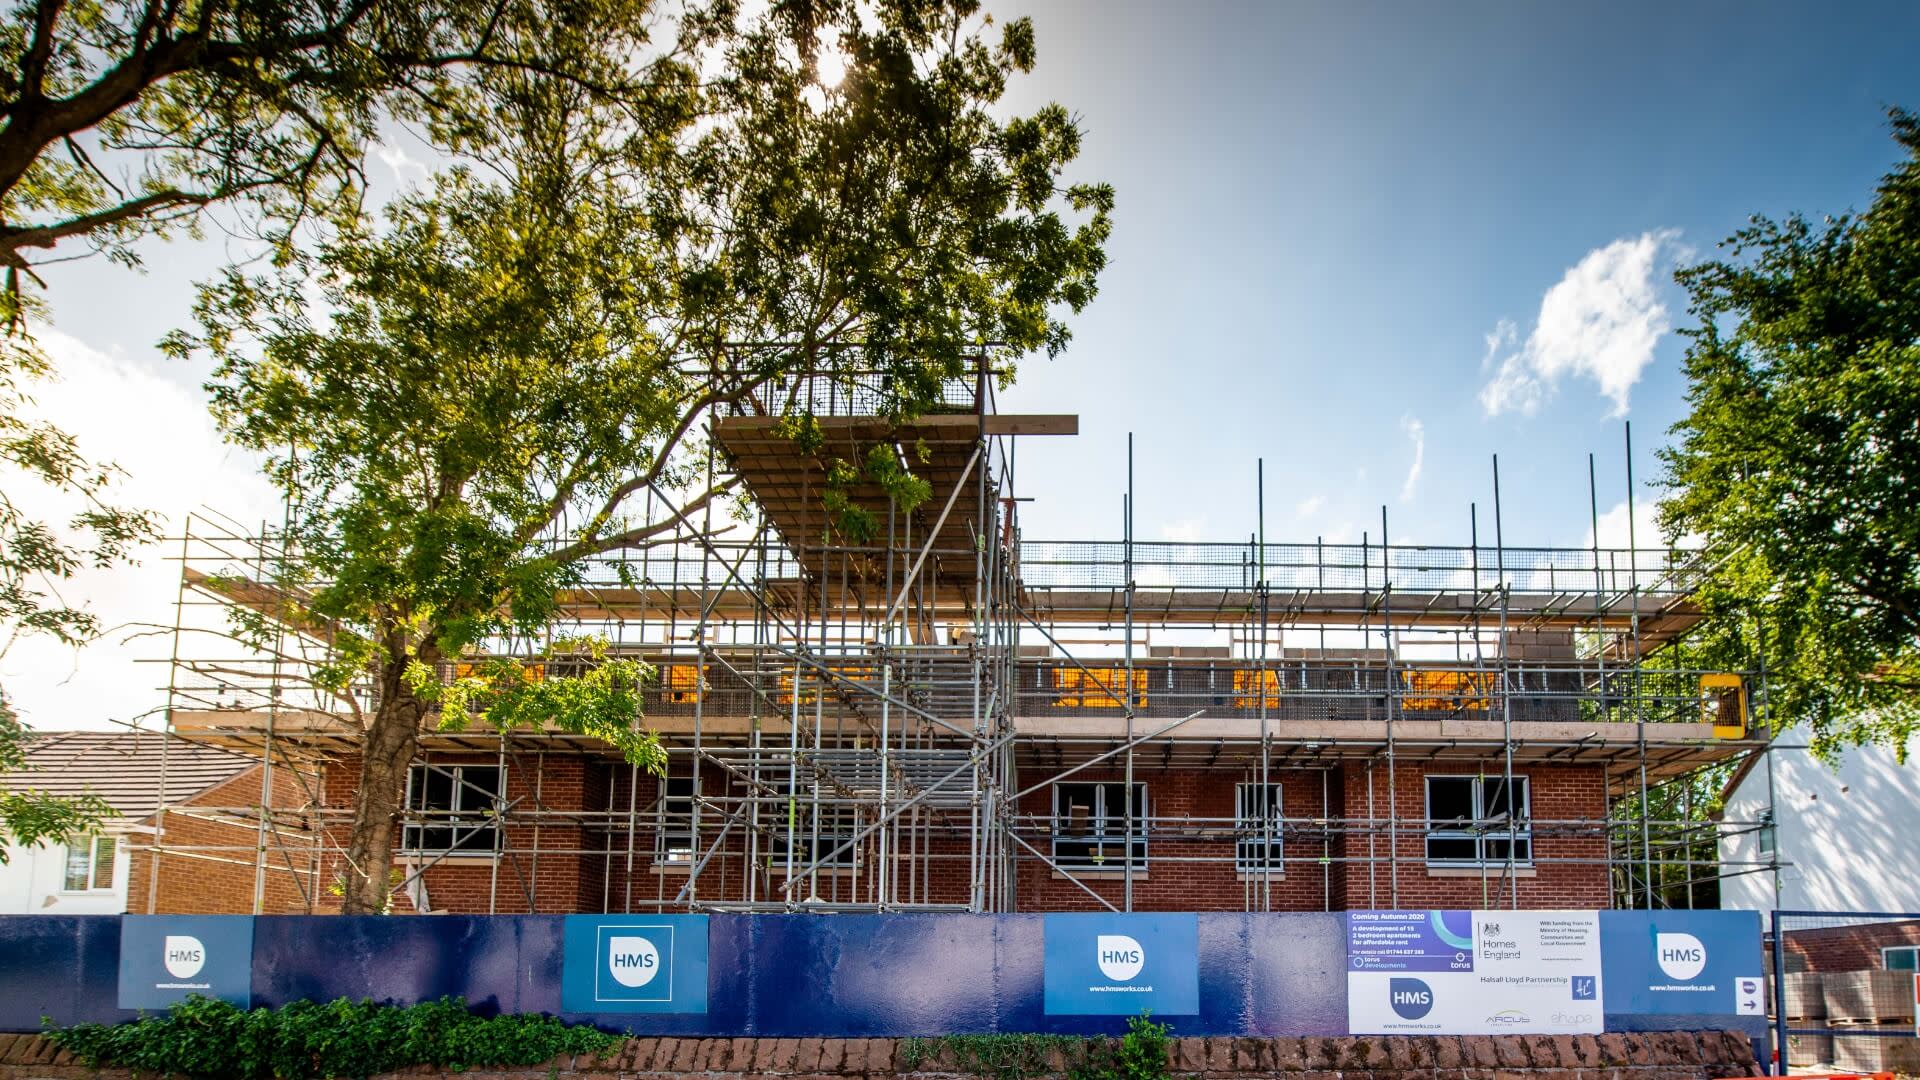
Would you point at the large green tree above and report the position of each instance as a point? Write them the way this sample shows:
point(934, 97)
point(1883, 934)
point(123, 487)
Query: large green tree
point(123, 119)
point(1800, 459)
point(508, 365)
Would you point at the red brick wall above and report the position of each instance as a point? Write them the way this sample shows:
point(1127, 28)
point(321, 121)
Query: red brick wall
point(1172, 882)
point(1663, 1055)
point(584, 864)
point(207, 867)
point(1560, 793)
point(566, 874)
point(1846, 948)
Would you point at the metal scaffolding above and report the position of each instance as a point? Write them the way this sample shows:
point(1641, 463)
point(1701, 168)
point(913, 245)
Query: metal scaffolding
point(933, 717)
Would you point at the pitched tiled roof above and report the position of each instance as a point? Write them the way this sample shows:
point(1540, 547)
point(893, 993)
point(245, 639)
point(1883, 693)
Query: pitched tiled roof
point(123, 768)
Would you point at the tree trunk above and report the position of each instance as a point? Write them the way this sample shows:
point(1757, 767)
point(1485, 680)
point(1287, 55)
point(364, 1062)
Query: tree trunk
point(387, 752)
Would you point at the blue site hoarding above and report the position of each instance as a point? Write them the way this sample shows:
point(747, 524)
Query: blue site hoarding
point(793, 975)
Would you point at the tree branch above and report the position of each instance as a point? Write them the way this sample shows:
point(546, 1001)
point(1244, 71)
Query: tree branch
point(585, 547)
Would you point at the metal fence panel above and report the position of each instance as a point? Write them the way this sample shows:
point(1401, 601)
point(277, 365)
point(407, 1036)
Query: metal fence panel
point(1842, 993)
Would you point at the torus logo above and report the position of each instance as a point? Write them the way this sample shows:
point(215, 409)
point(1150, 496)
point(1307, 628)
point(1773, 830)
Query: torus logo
point(1411, 998)
point(1121, 957)
point(632, 961)
point(183, 955)
point(1681, 956)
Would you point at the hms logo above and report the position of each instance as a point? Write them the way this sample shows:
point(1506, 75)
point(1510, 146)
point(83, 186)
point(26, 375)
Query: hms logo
point(1411, 998)
point(1121, 957)
point(633, 961)
point(1681, 956)
point(184, 956)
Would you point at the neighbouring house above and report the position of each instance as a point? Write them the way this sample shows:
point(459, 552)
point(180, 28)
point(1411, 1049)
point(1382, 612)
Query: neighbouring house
point(163, 791)
point(1843, 835)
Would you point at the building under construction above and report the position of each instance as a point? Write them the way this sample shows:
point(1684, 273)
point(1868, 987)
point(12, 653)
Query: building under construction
point(952, 716)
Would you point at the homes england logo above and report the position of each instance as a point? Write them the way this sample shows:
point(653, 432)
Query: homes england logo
point(1121, 957)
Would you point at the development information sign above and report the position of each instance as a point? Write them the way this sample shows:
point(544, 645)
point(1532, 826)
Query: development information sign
point(634, 964)
point(1473, 972)
point(1119, 965)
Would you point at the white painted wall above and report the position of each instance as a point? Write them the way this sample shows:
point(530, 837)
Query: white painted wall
point(31, 883)
point(1851, 831)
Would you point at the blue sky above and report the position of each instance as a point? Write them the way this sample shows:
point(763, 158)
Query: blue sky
point(1325, 211)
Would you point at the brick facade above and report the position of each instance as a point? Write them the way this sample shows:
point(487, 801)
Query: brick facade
point(586, 864)
point(206, 860)
point(1570, 868)
point(558, 865)
point(1362, 865)
point(1846, 948)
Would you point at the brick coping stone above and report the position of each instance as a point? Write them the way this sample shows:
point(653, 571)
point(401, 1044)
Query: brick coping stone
point(1664, 1055)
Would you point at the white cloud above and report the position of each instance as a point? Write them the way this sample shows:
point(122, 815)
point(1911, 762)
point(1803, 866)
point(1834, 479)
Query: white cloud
point(1646, 527)
point(1310, 506)
point(1417, 434)
point(1613, 526)
point(1600, 322)
point(1189, 531)
point(160, 434)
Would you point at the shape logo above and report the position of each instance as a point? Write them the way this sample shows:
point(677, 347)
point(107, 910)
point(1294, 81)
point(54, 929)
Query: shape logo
point(633, 961)
point(183, 955)
point(1681, 956)
point(1121, 957)
point(1411, 998)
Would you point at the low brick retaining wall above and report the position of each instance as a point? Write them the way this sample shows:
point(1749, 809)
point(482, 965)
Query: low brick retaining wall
point(1670, 1055)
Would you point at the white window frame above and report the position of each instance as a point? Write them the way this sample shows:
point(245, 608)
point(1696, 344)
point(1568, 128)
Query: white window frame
point(673, 836)
point(465, 821)
point(1247, 839)
point(1102, 833)
point(1482, 830)
point(93, 883)
point(1889, 951)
